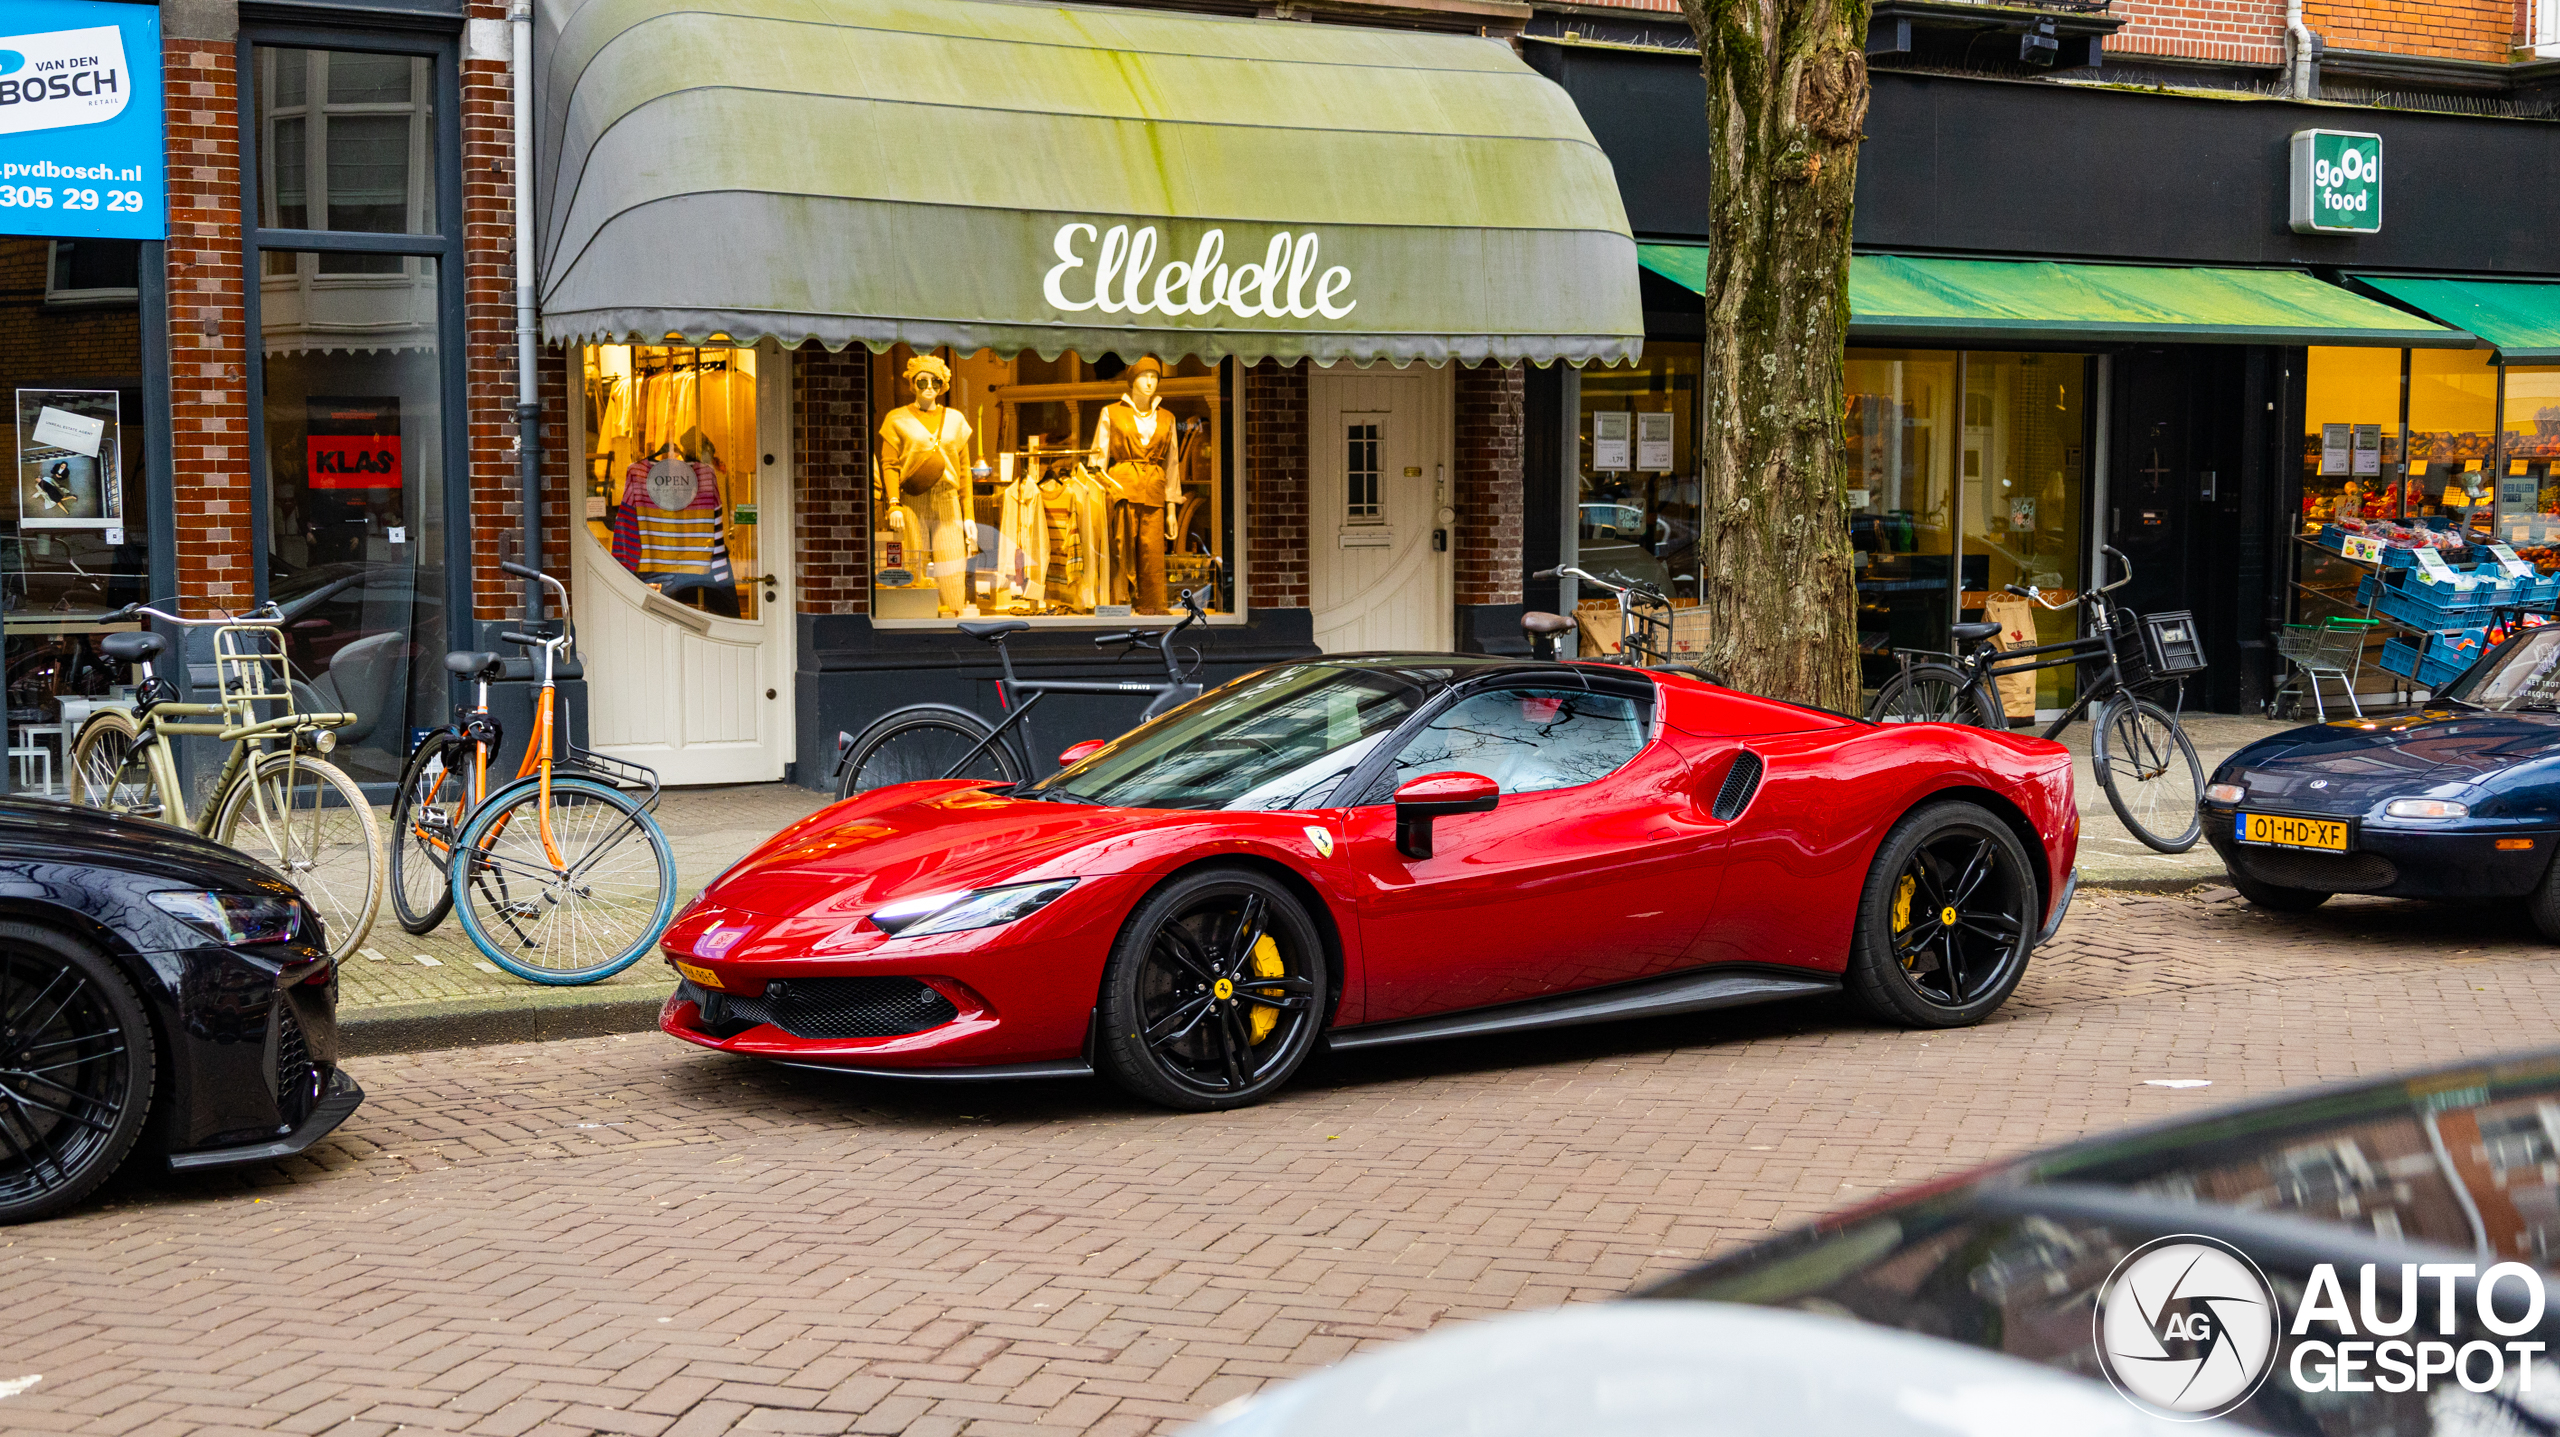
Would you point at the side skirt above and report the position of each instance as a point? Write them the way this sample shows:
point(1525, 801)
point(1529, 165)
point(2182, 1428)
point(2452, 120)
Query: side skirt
point(1651, 997)
point(1071, 1068)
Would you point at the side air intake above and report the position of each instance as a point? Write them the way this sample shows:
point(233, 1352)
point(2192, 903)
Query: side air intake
point(1740, 782)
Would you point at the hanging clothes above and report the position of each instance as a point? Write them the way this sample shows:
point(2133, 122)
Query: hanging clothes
point(659, 541)
point(1022, 539)
point(1083, 505)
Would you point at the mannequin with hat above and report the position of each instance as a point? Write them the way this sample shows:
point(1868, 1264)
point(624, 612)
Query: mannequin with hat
point(922, 480)
point(1142, 471)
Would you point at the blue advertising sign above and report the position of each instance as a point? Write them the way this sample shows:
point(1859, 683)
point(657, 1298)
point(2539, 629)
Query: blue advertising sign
point(83, 153)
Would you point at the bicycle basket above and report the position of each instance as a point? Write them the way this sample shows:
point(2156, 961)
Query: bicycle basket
point(250, 666)
point(2173, 644)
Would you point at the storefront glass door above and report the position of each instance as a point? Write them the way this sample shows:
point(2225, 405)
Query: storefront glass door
point(2025, 481)
point(1903, 469)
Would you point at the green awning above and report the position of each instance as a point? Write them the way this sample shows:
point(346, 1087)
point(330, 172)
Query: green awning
point(2520, 317)
point(1978, 300)
point(970, 173)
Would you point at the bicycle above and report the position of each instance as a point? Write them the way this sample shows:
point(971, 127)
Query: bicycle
point(574, 874)
point(289, 808)
point(1644, 619)
point(923, 741)
point(2144, 761)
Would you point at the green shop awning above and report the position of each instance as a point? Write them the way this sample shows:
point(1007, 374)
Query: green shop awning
point(1976, 300)
point(2520, 317)
point(1038, 177)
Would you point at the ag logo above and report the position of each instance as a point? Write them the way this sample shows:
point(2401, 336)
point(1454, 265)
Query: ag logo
point(2186, 1327)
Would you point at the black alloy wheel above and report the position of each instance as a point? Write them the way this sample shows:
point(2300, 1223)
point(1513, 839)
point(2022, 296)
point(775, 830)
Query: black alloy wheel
point(1948, 915)
point(1214, 993)
point(76, 1058)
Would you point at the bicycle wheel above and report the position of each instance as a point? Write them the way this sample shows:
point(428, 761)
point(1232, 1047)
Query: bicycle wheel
point(107, 771)
point(2150, 772)
point(924, 741)
point(587, 905)
point(424, 814)
point(303, 817)
point(1935, 693)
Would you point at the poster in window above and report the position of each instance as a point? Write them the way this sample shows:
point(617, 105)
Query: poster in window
point(2333, 448)
point(1609, 444)
point(69, 447)
point(2368, 449)
point(351, 471)
point(1653, 443)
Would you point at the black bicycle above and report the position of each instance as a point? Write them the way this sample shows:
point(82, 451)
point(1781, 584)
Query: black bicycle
point(2143, 758)
point(947, 741)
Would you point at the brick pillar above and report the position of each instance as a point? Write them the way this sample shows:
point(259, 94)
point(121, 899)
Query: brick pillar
point(830, 481)
point(489, 323)
point(1275, 470)
point(208, 400)
point(1489, 503)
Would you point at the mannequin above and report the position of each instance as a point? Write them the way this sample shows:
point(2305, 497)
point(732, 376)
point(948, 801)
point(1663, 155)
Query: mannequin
point(1143, 474)
point(923, 481)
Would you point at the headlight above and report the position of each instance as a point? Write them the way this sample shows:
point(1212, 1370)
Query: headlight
point(2224, 793)
point(240, 918)
point(2426, 808)
point(979, 908)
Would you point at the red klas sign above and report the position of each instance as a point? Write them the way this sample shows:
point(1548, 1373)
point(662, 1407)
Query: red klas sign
point(354, 461)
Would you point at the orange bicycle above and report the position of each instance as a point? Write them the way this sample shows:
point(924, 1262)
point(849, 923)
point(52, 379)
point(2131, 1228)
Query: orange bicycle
point(562, 877)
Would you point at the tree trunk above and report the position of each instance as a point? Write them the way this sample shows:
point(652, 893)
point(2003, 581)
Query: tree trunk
point(1786, 99)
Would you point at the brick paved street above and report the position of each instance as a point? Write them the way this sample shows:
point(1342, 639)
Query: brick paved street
point(624, 1235)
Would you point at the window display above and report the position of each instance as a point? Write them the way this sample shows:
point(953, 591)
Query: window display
point(1047, 488)
point(2529, 465)
point(2024, 477)
point(2453, 407)
point(671, 435)
point(1638, 470)
point(2351, 464)
point(1901, 434)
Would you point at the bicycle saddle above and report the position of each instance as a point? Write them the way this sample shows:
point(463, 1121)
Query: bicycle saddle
point(1539, 622)
point(471, 664)
point(133, 647)
point(993, 629)
point(1973, 633)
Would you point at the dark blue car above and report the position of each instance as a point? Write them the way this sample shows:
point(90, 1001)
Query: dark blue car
point(2458, 800)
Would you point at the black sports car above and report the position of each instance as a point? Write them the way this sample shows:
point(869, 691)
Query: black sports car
point(2458, 800)
point(159, 992)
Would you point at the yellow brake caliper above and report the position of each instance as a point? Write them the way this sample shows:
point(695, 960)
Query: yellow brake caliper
point(1902, 907)
point(1266, 964)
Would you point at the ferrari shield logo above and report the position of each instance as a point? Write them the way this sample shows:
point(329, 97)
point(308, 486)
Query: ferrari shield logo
point(1322, 838)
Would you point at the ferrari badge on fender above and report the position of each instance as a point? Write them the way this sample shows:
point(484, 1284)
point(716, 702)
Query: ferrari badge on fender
point(1322, 838)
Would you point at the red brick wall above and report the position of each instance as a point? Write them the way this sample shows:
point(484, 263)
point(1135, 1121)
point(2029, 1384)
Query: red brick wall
point(830, 488)
point(1486, 546)
point(39, 345)
point(2247, 32)
point(1275, 477)
point(2447, 29)
point(209, 417)
point(488, 336)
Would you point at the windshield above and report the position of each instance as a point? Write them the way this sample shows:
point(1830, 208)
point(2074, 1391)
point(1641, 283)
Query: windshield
point(2522, 673)
point(1282, 738)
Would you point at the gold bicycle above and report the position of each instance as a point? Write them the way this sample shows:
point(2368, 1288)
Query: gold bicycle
point(276, 799)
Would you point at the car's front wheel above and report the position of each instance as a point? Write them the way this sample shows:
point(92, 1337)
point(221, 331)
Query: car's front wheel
point(76, 1056)
point(1945, 922)
point(1214, 993)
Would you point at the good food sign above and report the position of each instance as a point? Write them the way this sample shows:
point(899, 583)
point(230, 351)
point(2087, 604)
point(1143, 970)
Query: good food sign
point(81, 137)
point(2337, 182)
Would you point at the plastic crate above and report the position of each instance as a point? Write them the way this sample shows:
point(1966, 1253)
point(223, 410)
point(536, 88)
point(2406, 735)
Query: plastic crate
point(2405, 658)
point(2172, 643)
point(2422, 608)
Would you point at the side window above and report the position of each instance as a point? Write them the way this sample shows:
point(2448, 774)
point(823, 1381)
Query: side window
point(1527, 740)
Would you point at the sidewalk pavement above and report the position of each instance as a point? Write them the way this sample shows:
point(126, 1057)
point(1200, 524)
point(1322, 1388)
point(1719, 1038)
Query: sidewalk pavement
point(403, 994)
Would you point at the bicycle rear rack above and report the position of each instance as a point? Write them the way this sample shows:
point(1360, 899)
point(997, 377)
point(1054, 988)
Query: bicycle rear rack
point(621, 773)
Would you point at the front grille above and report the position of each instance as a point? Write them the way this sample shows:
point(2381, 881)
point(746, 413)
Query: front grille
point(1740, 781)
point(2318, 872)
point(297, 1081)
point(828, 1008)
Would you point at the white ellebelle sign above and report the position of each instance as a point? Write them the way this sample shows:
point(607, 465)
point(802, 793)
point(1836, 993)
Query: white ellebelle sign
point(1114, 276)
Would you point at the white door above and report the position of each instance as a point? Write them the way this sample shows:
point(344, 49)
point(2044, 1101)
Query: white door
point(1378, 509)
point(698, 689)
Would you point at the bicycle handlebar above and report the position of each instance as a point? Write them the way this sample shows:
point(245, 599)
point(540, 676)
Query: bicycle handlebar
point(262, 616)
point(533, 640)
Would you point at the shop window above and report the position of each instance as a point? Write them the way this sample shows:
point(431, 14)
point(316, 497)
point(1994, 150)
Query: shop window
point(353, 418)
point(671, 471)
point(1360, 471)
point(2025, 447)
point(2529, 465)
point(1902, 447)
point(1065, 488)
point(346, 141)
point(2351, 444)
point(1637, 470)
point(2453, 407)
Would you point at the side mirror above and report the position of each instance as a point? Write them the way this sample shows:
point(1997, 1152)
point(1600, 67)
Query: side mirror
point(1078, 753)
point(1438, 795)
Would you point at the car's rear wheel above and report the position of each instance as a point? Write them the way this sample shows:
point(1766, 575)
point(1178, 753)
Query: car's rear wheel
point(76, 1056)
point(1945, 922)
point(1214, 993)
point(2282, 899)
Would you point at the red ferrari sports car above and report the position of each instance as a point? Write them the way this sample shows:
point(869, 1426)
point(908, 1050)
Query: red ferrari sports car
point(1382, 849)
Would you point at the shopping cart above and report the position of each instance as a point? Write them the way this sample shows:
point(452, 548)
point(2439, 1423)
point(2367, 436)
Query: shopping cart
point(2333, 649)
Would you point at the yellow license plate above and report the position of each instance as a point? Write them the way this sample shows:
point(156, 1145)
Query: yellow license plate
point(2326, 834)
point(703, 976)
